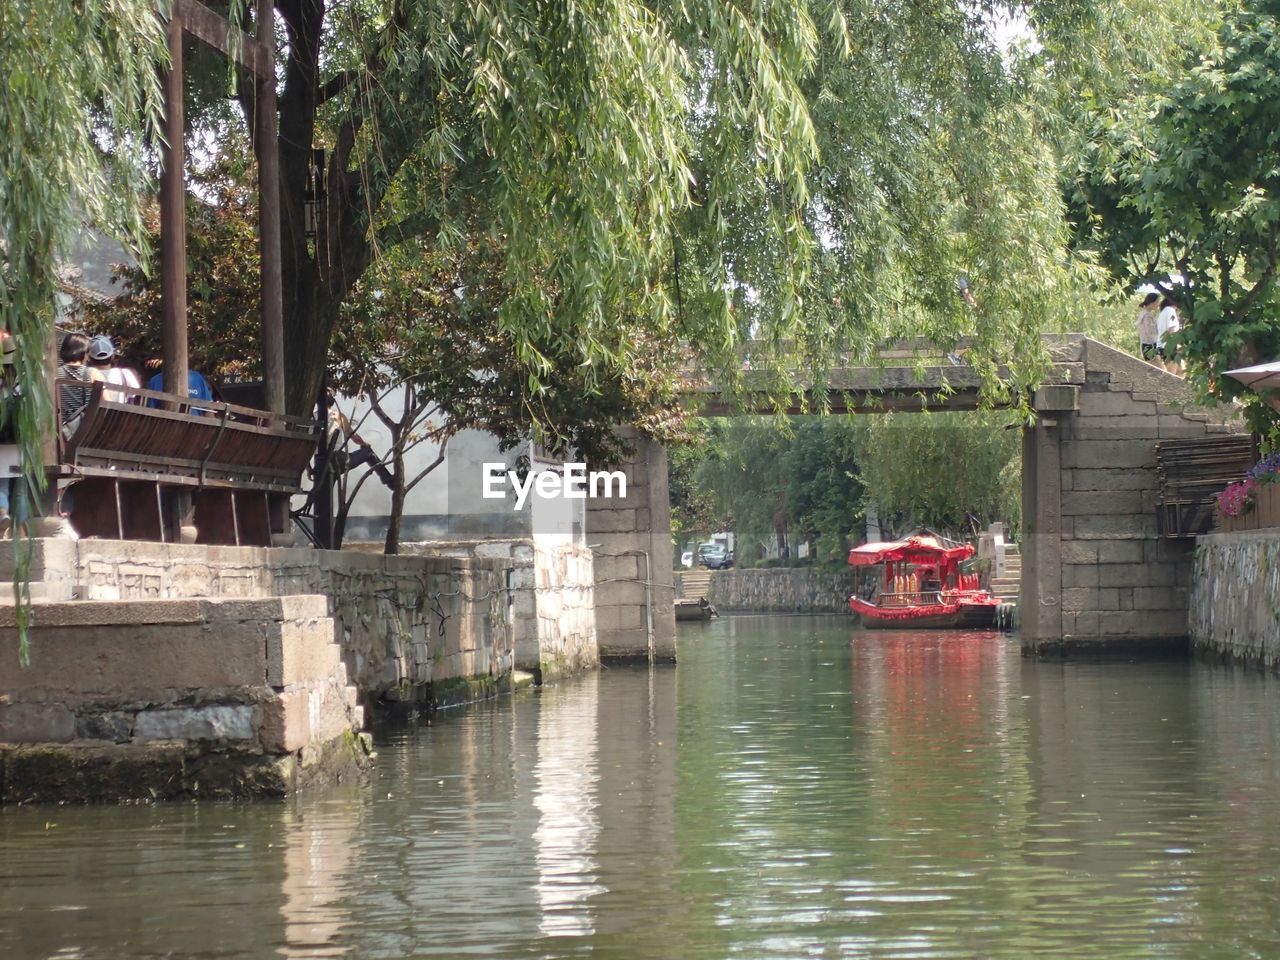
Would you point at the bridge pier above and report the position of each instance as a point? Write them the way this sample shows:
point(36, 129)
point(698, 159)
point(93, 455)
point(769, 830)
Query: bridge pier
point(630, 537)
point(1098, 577)
point(1040, 601)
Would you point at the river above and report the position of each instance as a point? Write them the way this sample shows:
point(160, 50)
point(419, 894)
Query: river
point(793, 789)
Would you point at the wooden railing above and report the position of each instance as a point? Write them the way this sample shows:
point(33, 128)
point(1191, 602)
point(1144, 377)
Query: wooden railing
point(237, 461)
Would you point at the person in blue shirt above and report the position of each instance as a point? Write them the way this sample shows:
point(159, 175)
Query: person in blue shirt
point(197, 387)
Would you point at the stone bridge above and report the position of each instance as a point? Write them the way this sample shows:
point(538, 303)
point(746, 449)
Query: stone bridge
point(1096, 574)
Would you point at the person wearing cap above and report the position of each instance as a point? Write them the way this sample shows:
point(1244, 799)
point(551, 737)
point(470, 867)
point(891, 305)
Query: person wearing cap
point(103, 368)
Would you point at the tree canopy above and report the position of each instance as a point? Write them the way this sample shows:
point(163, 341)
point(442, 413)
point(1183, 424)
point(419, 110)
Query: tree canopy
point(1178, 187)
point(811, 480)
point(815, 176)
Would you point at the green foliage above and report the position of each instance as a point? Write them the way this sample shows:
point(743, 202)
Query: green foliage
point(224, 326)
point(954, 472)
point(1183, 180)
point(76, 77)
point(810, 479)
point(792, 481)
point(812, 176)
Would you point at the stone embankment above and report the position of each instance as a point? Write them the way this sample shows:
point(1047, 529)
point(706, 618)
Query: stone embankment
point(411, 628)
point(166, 699)
point(1235, 598)
point(779, 590)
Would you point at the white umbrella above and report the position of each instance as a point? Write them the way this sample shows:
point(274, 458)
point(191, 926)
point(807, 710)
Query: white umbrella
point(1262, 376)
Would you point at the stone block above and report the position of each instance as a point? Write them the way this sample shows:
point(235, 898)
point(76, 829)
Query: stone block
point(1108, 454)
point(1079, 575)
point(1080, 599)
point(1138, 575)
point(1159, 598)
point(231, 722)
point(1056, 398)
point(1116, 527)
point(285, 726)
point(1116, 428)
point(1102, 503)
point(621, 520)
point(1108, 480)
point(628, 568)
point(619, 618)
point(1121, 551)
point(300, 650)
point(113, 659)
point(1079, 552)
point(1113, 403)
point(36, 723)
point(112, 725)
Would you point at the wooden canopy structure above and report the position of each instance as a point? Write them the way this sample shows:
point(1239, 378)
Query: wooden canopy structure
point(161, 465)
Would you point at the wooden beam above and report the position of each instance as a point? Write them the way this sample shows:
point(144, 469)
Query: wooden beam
point(173, 255)
point(173, 222)
point(269, 223)
point(218, 32)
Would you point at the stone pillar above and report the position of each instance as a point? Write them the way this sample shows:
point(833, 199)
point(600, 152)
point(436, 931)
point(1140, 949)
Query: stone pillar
point(1040, 602)
point(631, 538)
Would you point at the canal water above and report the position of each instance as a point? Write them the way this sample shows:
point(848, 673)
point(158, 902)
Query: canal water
point(793, 789)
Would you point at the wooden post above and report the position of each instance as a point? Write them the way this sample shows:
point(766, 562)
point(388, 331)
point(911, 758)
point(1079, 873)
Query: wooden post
point(173, 222)
point(173, 258)
point(269, 217)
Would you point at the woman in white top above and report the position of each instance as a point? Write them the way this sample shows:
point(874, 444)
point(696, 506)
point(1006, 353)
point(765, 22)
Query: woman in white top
point(1166, 323)
point(1146, 324)
point(102, 353)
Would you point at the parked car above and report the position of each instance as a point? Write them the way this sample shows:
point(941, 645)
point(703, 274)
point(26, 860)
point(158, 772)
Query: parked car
point(714, 556)
point(686, 559)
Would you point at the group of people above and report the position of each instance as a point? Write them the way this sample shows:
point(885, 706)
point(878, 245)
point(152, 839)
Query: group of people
point(91, 360)
point(1157, 320)
point(95, 360)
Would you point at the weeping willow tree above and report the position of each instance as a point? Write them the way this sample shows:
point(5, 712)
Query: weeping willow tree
point(809, 176)
point(79, 101)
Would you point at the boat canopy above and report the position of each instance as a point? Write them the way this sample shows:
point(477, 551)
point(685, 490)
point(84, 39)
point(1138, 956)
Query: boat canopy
point(918, 548)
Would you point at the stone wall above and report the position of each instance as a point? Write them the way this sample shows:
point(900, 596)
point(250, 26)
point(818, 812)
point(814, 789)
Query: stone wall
point(799, 590)
point(412, 628)
point(158, 699)
point(1235, 598)
point(552, 583)
point(1096, 575)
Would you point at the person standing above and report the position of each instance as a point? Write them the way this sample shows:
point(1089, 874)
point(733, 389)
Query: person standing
point(1167, 324)
point(1146, 324)
point(72, 400)
point(102, 367)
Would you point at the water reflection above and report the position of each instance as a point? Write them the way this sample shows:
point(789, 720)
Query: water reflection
point(318, 854)
point(793, 789)
point(568, 827)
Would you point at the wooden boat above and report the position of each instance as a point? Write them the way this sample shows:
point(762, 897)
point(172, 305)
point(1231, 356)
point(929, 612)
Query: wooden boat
point(920, 585)
point(697, 608)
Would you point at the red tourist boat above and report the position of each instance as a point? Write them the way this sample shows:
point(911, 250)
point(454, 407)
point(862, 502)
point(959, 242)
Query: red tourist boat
point(922, 586)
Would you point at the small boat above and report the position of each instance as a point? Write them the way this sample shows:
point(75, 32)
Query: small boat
point(920, 585)
point(698, 608)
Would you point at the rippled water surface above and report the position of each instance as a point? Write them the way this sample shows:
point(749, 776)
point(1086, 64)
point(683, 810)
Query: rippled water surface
point(793, 789)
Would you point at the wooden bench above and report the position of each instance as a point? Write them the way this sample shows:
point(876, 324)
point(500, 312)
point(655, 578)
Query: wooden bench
point(240, 464)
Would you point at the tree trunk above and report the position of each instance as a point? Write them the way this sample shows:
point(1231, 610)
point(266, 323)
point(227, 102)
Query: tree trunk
point(392, 544)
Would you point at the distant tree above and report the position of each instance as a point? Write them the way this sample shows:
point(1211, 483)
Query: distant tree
point(1179, 187)
point(953, 472)
point(827, 492)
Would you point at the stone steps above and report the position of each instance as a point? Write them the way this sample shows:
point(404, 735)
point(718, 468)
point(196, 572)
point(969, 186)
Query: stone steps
point(695, 584)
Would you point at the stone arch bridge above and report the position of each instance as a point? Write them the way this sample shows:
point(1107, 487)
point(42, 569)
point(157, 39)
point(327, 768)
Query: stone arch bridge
point(1101, 570)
